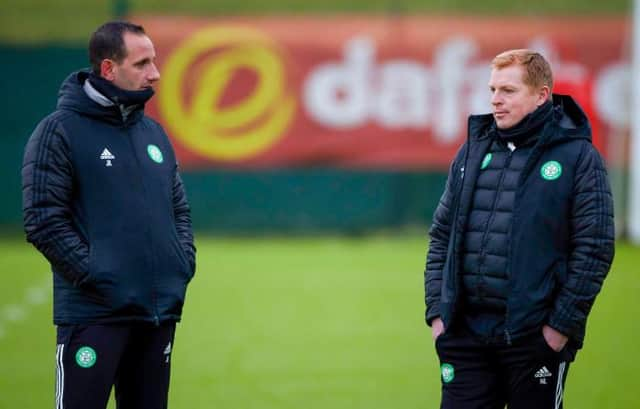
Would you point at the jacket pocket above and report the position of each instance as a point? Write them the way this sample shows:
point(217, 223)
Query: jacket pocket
point(92, 287)
point(182, 257)
point(546, 350)
point(117, 272)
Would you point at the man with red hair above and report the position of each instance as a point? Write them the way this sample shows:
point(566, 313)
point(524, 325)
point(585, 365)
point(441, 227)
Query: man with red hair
point(521, 242)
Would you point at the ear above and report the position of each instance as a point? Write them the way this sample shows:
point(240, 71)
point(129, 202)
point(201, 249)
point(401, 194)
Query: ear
point(543, 95)
point(107, 68)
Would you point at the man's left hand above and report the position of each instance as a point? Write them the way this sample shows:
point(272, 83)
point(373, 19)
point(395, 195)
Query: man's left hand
point(556, 340)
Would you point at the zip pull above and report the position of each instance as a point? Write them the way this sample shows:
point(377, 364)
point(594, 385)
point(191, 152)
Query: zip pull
point(507, 337)
point(462, 172)
point(511, 146)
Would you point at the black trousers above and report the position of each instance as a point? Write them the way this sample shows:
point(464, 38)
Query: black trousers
point(475, 374)
point(135, 358)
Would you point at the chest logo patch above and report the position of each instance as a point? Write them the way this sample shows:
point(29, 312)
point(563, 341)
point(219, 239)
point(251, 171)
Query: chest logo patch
point(551, 170)
point(107, 157)
point(486, 161)
point(155, 153)
point(448, 373)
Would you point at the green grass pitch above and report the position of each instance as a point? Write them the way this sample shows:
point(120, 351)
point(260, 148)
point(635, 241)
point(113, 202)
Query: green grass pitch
point(324, 322)
point(72, 21)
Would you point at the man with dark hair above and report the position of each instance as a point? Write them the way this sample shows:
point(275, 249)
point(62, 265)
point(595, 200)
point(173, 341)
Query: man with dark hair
point(521, 242)
point(103, 201)
point(108, 43)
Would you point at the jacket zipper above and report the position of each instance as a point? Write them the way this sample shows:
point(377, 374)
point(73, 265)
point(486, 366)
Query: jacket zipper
point(533, 158)
point(154, 296)
point(507, 333)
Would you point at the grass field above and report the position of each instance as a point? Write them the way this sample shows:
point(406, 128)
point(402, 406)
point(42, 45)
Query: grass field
point(307, 323)
point(71, 21)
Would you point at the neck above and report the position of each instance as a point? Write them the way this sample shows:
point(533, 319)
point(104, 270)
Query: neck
point(529, 125)
point(119, 96)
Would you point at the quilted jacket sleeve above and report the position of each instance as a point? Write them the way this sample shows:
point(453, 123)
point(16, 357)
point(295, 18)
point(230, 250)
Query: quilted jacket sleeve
point(47, 188)
point(592, 245)
point(182, 216)
point(439, 233)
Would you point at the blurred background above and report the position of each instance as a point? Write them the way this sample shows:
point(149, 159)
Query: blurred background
point(314, 140)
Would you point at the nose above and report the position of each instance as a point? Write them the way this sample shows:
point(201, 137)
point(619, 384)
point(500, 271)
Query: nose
point(154, 74)
point(495, 99)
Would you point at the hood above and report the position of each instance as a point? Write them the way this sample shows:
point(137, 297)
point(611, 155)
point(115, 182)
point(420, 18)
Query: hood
point(72, 97)
point(569, 122)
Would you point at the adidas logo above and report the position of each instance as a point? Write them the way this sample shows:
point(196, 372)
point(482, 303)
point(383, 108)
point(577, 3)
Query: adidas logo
point(107, 156)
point(543, 373)
point(167, 350)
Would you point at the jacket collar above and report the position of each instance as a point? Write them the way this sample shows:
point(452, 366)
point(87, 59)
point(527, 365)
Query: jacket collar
point(567, 122)
point(95, 95)
point(73, 97)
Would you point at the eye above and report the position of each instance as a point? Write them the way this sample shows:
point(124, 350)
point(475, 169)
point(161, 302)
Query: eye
point(141, 64)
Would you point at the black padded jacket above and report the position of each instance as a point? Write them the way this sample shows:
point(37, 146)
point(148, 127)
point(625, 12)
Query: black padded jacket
point(105, 204)
point(561, 241)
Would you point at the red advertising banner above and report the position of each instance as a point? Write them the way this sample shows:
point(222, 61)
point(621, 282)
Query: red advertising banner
point(361, 92)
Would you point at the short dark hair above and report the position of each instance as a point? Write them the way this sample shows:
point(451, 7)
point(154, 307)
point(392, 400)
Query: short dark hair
point(108, 42)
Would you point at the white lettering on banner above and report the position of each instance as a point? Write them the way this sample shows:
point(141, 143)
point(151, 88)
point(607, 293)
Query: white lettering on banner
point(403, 94)
point(450, 65)
point(336, 94)
point(612, 94)
point(402, 99)
point(400, 94)
point(611, 89)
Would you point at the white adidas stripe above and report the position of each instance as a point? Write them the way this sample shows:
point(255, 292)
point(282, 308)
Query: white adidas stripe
point(59, 377)
point(559, 391)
